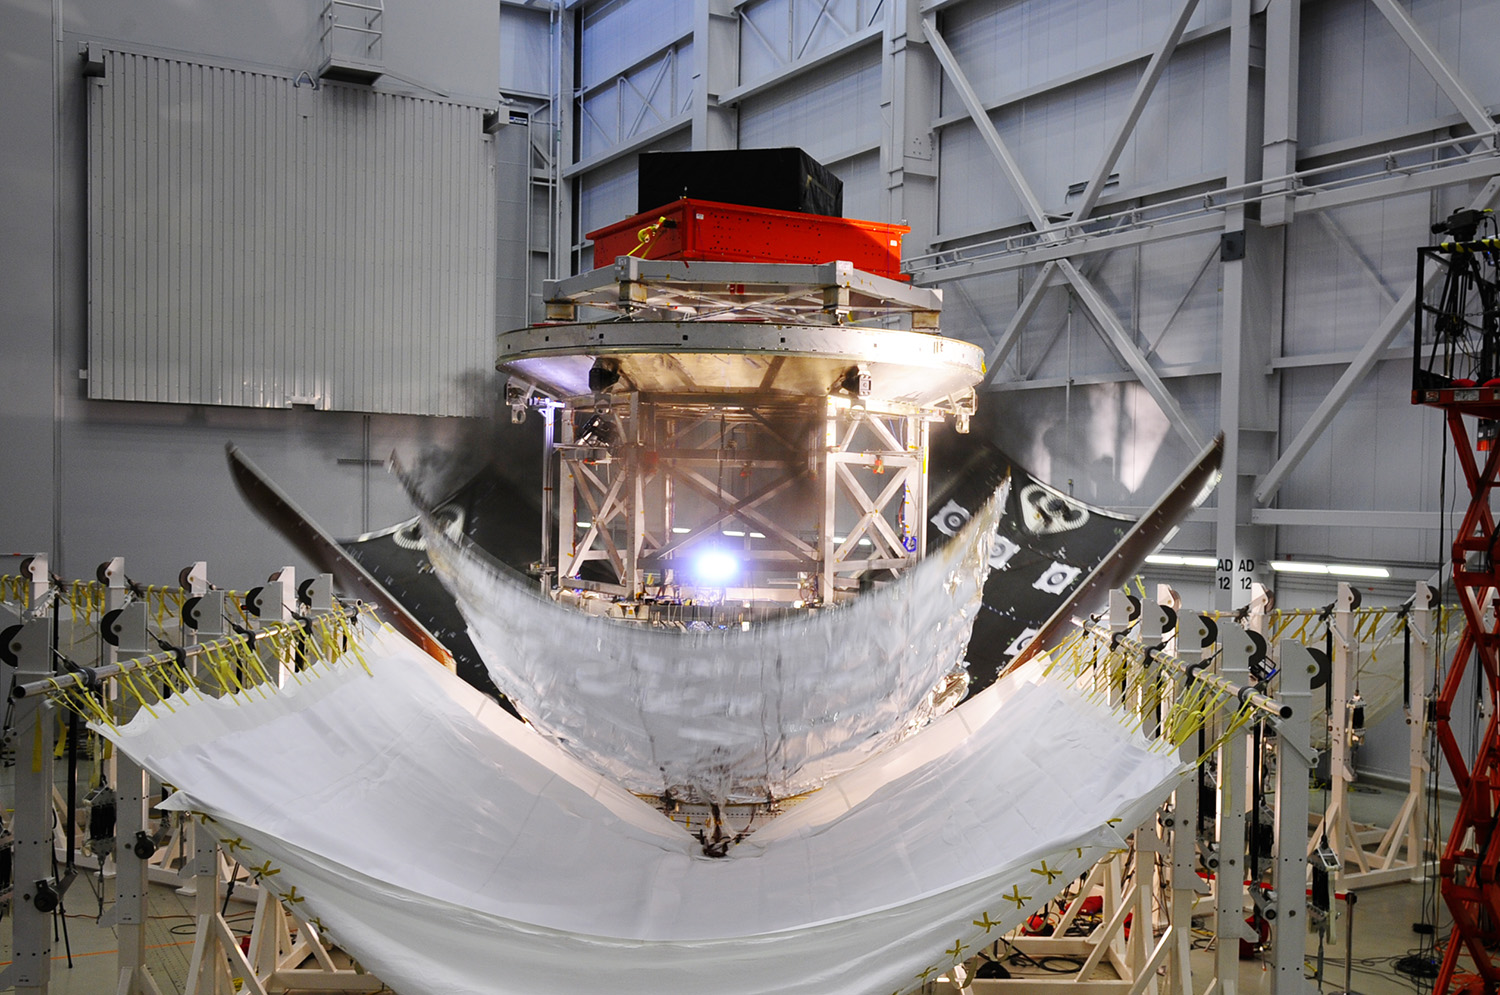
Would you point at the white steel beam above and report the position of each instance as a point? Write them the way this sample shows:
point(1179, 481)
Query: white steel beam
point(1018, 321)
point(1250, 320)
point(1364, 361)
point(1283, 47)
point(1118, 337)
point(910, 81)
point(1145, 232)
point(1473, 111)
point(1143, 90)
point(1354, 518)
point(1336, 232)
point(632, 144)
point(981, 117)
point(860, 39)
point(1399, 182)
point(1108, 321)
point(1048, 251)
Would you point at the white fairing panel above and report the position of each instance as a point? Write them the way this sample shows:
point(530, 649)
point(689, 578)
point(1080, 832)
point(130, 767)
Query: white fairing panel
point(451, 849)
point(728, 716)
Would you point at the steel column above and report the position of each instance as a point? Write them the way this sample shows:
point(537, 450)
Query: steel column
point(1293, 764)
point(716, 67)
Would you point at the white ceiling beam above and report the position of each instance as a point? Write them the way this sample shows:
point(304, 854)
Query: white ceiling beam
point(1364, 361)
point(1352, 518)
point(1357, 192)
point(860, 39)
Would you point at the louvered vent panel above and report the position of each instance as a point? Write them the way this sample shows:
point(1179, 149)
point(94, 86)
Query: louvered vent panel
point(254, 242)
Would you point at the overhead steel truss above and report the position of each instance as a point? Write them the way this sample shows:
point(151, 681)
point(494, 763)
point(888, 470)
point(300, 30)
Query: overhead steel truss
point(1069, 250)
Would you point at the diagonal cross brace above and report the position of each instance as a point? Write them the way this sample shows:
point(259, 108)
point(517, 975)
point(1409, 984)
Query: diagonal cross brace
point(1353, 375)
point(1120, 339)
point(1143, 90)
point(1447, 80)
point(1092, 299)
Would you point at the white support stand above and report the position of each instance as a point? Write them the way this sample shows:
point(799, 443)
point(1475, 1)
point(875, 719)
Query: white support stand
point(1187, 886)
point(1397, 853)
point(30, 970)
point(1294, 762)
point(1112, 962)
point(131, 785)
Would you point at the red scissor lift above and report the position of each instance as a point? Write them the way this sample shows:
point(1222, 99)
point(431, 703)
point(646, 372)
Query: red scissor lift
point(1455, 369)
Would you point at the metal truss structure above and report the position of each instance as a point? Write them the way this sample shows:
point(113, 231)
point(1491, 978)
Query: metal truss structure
point(1470, 865)
point(738, 55)
point(717, 478)
point(774, 416)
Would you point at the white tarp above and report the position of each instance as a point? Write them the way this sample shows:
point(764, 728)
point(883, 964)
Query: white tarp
point(725, 715)
point(453, 850)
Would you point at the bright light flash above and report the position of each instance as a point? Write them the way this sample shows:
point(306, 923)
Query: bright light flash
point(1173, 560)
point(715, 567)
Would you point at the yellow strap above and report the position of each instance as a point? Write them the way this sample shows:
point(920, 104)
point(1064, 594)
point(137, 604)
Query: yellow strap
point(646, 236)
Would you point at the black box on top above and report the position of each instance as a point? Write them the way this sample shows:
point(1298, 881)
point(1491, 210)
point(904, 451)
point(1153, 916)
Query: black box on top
point(778, 179)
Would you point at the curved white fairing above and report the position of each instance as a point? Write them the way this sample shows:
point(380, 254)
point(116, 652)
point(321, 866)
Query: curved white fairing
point(452, 850)
point(728, 716)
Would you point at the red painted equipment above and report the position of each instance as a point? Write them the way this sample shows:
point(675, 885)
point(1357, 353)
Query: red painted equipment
point(705, 230)
point(1457, 356)
point(1468, 867)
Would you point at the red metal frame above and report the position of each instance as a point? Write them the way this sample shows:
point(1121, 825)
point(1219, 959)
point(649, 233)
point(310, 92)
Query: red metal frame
point(706, 230)
point(1469, 881)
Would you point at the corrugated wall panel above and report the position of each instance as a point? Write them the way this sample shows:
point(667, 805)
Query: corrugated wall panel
point(257, 243)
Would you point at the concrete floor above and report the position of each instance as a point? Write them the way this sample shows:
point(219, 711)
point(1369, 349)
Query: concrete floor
point(1383, 932)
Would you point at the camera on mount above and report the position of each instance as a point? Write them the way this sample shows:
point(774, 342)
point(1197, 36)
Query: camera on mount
point(1462, 224)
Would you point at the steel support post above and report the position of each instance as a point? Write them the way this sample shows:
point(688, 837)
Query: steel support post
point(635, 499)
point(562, 261)
point(910, 80)
point(1283, 53)
point(1251, 268)
point(1187, 886)
point(32, 732)
point(716, 69)
point(1337, 824)
point(1294, 760)
point(567, 499)
point(1421, 629)
point(207, 972)
point(196, 586)
point(549, 493)
point(828, 521)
